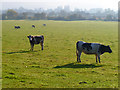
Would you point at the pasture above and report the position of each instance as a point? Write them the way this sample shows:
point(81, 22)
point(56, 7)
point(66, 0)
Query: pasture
point(56, 66)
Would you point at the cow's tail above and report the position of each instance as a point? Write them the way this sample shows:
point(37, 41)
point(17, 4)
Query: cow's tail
point(77, 48)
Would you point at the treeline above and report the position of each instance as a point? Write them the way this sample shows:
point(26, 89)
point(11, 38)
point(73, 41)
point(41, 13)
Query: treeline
point(60, 14)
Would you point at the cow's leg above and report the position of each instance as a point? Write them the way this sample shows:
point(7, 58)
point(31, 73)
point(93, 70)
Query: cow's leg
point(32, 46)
point(96, 58)
point(99, 58)
point(78, 56)
point(41, 45)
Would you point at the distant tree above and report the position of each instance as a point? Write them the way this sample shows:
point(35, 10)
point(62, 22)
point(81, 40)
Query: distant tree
point(24, 15)
point(109, 18)
point(39, 16)
point(11, 14)
point(51, 14)
point(4, 16)
point(93, 18)
point(43, 16)
point(76, 17)
point(61, 14)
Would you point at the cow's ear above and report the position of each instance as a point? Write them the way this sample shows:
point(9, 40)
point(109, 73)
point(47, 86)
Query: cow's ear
point(31, 36)
point(28, 36)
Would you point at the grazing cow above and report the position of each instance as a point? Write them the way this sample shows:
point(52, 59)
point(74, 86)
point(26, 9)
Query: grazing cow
point(17, 27)
point(33, 26)
point(91, 48)
point(44, 24)
point(36, 40)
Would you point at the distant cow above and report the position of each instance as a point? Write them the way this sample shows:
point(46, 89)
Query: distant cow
point(17, 27)
point(33, 26)
point(44, 24)
point(91, 48)
point(36, 40)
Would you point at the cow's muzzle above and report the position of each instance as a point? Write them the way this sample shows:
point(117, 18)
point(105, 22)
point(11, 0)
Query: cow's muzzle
point(110, 51)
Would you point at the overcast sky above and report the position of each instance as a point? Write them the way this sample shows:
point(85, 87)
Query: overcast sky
point(51, 4)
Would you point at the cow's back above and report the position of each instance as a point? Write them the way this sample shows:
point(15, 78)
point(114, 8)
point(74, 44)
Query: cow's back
point(94, 49)
point(38, 39)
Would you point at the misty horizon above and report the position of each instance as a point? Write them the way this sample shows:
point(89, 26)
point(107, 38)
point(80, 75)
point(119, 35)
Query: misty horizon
point(60, 3)
point(63, 7)
point(62, 10)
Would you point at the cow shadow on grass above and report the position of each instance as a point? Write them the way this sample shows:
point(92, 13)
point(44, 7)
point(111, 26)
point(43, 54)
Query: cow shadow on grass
point(78, 65)
point(21, 51)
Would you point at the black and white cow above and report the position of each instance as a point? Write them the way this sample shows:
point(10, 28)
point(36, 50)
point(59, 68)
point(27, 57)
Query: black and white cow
point(36, 40)
point(44, 24)
point(17, 27)
point(33, 26)
point(91, 48)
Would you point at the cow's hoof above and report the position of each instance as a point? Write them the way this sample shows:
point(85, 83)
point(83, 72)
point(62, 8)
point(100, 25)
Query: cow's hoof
point(96, 62)
point(79, 61)
point(31, 50)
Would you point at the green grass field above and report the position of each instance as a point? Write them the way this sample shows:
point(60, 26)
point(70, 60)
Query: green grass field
point(56, 66)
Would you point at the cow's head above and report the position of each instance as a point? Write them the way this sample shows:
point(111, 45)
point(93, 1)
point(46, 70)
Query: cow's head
point(30, 37)
point(108, 49)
